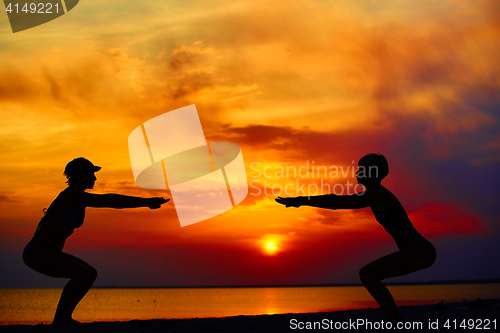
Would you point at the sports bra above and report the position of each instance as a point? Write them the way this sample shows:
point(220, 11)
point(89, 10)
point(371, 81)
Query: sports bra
point(51, 235)
point(75, 218)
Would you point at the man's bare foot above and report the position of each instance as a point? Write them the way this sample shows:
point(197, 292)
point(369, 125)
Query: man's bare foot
point(65, 322)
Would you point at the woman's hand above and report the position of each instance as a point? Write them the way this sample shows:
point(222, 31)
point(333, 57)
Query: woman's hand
point(290, 202)
point(155, 203)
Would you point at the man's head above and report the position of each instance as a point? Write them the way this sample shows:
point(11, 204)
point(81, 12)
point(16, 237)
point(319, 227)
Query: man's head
point(372, 168)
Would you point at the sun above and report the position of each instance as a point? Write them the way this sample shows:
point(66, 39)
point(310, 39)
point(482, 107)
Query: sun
point(272, 244)
point(270, 247)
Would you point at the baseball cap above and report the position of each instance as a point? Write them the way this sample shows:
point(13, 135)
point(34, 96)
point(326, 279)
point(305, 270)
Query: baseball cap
point(80, 165)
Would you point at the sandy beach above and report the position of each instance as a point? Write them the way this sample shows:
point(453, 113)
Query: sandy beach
point(460, 316)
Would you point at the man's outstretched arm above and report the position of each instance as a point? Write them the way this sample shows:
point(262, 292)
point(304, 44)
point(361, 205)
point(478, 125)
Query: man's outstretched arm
point(328, 201)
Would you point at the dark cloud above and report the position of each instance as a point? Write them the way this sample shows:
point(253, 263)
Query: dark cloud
point(8, 197)
point(183, 60)
point(189, 84)
point(15, 84)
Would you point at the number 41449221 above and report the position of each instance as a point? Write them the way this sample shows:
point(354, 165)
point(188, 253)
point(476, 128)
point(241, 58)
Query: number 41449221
point(33, 8)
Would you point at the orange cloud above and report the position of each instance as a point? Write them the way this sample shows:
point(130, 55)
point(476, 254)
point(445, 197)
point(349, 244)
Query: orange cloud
point(290, 83)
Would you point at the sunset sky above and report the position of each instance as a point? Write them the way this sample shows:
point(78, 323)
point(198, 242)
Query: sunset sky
point(295, 84)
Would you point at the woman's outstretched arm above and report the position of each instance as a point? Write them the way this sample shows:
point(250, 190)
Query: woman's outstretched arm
point(112, 200)
point(329, 201)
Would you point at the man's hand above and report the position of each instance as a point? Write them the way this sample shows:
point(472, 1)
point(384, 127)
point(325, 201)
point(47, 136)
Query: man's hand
point(290, 202)
point(155, 203)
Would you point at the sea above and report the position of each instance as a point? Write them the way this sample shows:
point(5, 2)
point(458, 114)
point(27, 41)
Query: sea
point(35, 306)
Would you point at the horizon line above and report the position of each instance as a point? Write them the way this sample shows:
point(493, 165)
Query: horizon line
point(442, 282)
point(411, 283)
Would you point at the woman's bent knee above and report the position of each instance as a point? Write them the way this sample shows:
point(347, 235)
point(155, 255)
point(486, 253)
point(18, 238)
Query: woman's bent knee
point(87, 274)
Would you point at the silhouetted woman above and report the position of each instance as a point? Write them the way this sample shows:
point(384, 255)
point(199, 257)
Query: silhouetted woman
point(414, 253)
point(67, 212)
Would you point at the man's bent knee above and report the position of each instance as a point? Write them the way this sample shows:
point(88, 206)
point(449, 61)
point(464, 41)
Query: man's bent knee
point(91, 274)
